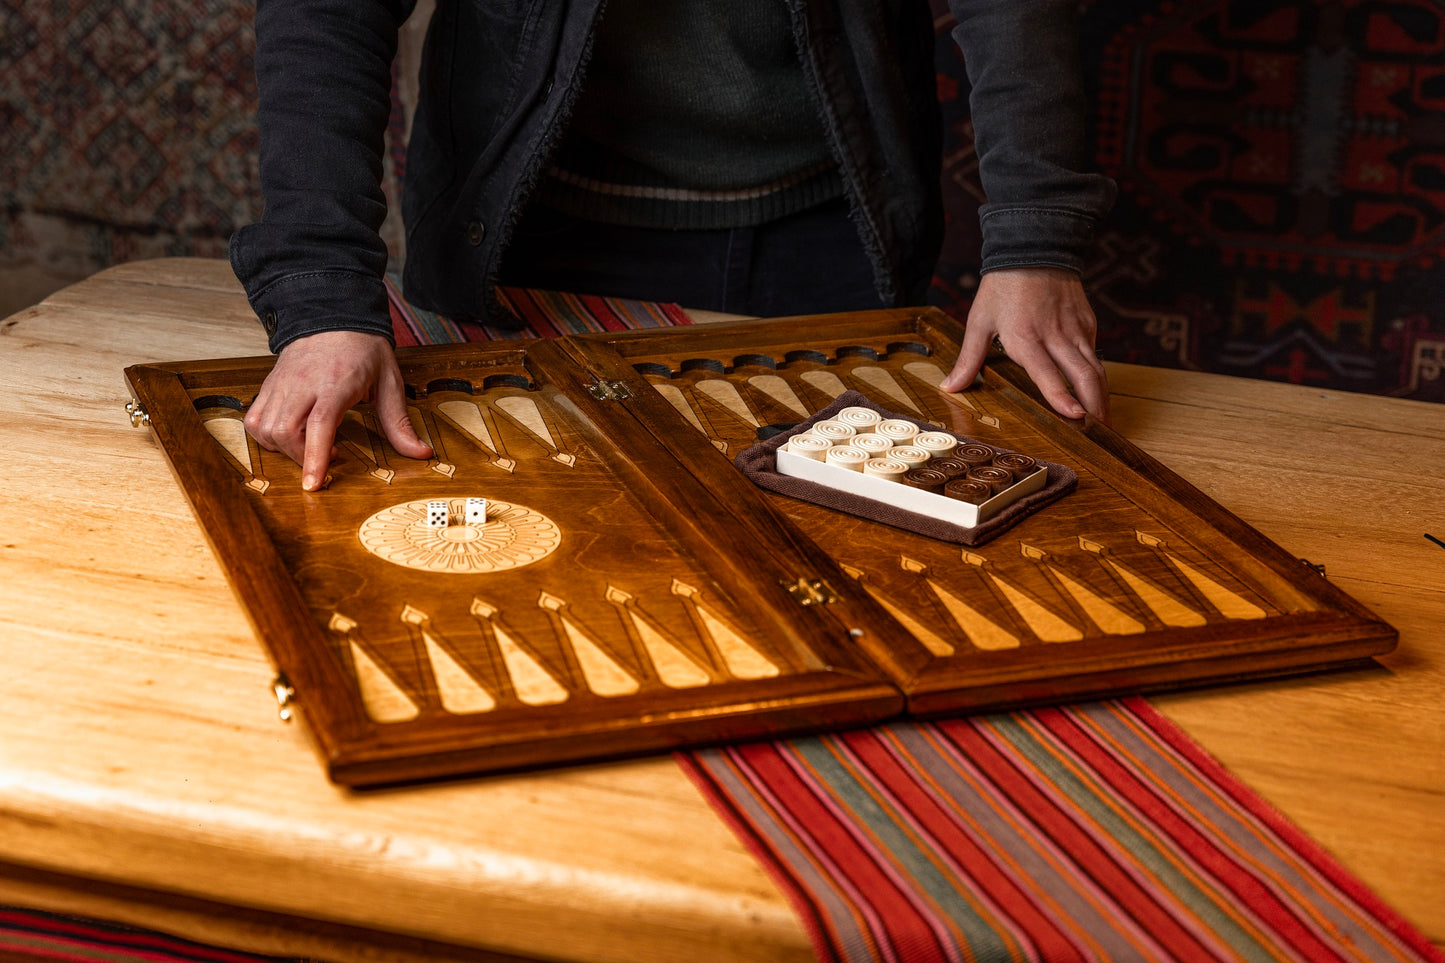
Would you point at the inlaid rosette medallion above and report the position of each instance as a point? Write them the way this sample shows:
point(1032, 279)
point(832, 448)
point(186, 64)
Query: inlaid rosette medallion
point(512, 536)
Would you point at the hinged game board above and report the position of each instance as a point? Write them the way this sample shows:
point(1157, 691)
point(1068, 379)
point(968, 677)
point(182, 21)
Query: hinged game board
point(626, 589)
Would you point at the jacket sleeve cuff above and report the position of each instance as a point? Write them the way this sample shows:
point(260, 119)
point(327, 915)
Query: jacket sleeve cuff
point(299, 305)
point(1036, 237)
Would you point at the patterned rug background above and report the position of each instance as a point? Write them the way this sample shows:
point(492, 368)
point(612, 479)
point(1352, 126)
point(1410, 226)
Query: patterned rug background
point(1281, 169)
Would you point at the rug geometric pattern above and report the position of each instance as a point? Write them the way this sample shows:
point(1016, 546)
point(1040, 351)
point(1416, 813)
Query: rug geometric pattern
point(127, 130)
point(1281, 172)
point(1281, 169)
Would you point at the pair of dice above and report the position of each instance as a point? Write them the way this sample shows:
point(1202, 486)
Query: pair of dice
point(438, 513)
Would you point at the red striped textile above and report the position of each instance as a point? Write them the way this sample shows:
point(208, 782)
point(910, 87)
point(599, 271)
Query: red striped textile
point(1096, 831)
point(545, 314)
point(27, 936)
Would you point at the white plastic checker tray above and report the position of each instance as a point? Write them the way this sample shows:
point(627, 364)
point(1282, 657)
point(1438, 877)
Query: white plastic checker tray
point(902, 496)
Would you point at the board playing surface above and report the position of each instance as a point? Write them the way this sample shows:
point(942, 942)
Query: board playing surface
point(631, 591)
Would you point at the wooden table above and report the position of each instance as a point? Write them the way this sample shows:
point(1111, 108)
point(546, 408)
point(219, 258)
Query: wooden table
point(145, 776)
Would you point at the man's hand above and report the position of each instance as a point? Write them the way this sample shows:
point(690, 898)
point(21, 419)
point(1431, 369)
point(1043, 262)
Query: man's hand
point(1043, 319)
point(315, 382)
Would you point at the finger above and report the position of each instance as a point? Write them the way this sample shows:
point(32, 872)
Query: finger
point(255, 424)
point(319, 446)
point(1047, 377)
point(275, 419)
point(971, 356)
point(279, 432)
point(258, 417)
point(395, 423)
point(1090, 382)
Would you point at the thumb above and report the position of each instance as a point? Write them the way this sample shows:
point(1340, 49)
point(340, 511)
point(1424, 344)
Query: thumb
point(965, 370)
point(971, 356)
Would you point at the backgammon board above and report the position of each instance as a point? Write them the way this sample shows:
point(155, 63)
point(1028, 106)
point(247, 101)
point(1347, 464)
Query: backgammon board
point(631, 591)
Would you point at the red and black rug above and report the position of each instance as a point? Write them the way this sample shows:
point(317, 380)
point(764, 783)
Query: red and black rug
point(1281, 171)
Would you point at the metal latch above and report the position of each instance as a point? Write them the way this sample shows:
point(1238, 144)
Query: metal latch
point(138, 415)
point(810, 591)
point(285, 695)
point(1317, 568)
point(604, 390)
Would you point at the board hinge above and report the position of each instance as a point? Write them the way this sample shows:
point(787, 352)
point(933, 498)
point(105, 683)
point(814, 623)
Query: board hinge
point(810, 591)
point(604, 390)
point(138, 415)
point(285, 695)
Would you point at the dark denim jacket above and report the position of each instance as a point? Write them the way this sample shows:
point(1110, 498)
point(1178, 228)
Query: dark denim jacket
point(499, 77)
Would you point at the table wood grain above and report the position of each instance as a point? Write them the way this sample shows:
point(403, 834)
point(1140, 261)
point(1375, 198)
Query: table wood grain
point(145, 777)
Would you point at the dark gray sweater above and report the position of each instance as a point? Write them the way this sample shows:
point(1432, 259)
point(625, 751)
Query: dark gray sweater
point(693, 114)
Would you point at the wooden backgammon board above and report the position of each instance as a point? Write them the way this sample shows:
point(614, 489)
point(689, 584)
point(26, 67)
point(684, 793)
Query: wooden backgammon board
point(632, 591)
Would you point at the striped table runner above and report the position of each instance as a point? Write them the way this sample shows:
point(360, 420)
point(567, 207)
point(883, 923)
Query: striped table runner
point(1096, 831)
point(29, 936)
point(545, 314)
point(1089, 832)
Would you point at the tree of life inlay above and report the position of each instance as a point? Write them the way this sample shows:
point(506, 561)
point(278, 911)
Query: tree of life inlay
point(512, 536)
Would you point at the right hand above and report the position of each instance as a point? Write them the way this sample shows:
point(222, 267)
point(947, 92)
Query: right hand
point(1043, 320)
point(316, 380)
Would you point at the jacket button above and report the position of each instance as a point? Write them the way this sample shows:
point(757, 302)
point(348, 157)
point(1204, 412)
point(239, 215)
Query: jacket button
point(269, 322)
point(475, 232)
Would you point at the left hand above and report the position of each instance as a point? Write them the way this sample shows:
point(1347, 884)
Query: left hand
point(1043, 319)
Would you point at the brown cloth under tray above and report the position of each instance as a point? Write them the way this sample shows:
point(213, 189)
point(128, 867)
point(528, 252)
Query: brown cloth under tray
point(759, 462)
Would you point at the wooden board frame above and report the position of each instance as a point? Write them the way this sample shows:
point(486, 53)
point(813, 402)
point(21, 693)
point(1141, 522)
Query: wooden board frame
point(1136, 581)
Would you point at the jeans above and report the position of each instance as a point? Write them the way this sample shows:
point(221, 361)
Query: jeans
point(812, 262)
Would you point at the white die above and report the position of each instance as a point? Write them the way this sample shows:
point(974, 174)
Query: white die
point(438, 514)
point(476, 511)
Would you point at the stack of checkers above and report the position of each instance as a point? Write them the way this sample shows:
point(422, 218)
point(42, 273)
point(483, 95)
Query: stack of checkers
point(860, 439)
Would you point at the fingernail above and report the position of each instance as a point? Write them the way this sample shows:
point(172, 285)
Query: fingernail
point(309, 482)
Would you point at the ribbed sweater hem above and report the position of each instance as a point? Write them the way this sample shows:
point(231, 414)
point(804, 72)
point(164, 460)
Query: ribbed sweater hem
point(685, 208)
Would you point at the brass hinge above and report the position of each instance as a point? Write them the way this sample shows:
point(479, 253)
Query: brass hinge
point(1317, 568)
point(285, 695)
point(810, 591)
point(138, 415)
point(604, 390)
